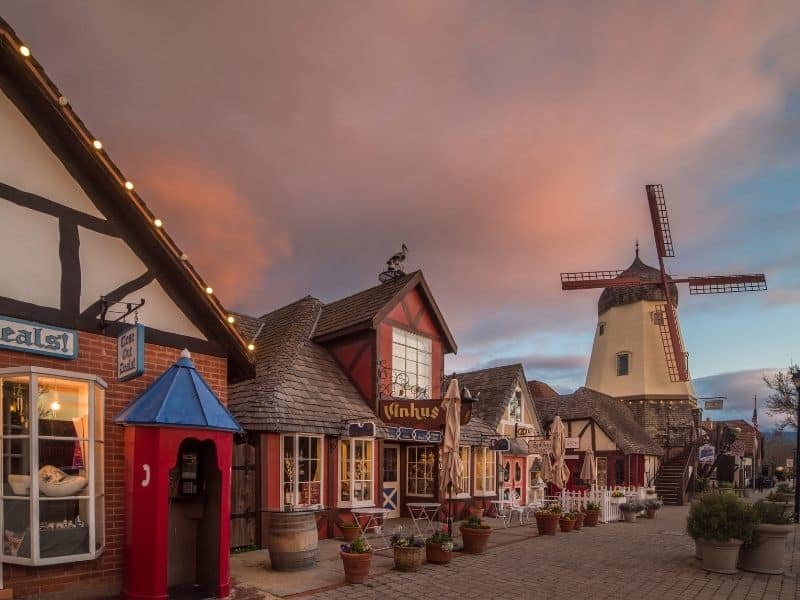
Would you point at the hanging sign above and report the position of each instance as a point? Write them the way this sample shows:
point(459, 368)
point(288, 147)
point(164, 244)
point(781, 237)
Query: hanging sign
point(573, 443)
point(500, 445)
point(360, 430)
point(714, 404)
point(411, 434)
point(540, 446)
point(789, 463)
point(706, 453)
point(130, 352)
point(426, 414)
point(25, 336)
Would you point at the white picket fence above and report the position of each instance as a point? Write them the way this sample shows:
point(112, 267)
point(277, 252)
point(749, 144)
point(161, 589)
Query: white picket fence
point(609, 506)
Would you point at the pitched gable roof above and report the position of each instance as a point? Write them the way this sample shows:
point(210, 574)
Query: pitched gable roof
point(539, 389)
point(367, 308)
point(612, 415)
point(27, 85)
point(298, 385)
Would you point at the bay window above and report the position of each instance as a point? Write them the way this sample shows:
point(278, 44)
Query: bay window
point(411, 365)
point(420, 463)
point(485, 472)
point(356, 472)
point(302, 470)
point(51, 430)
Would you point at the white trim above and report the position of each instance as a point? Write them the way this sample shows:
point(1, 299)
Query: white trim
point(479, 494)
point(296, 482)
point(433, 476)
point(351, 467)
point(29, 370)
point(485, 480)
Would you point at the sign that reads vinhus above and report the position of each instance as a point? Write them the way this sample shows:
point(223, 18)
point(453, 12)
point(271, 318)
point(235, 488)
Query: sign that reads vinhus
point(423, 414)
point(130, 352)
point(24, 336)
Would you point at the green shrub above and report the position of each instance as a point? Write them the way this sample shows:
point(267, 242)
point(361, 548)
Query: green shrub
point(771, 513)
point(721, 517)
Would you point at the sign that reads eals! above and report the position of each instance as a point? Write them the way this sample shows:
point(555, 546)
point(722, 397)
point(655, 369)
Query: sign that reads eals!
point(24, 336)
point(130, 352)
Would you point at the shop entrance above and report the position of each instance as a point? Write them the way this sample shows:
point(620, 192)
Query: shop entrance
point(513, 477)
point(194, 513)
point(391, 480)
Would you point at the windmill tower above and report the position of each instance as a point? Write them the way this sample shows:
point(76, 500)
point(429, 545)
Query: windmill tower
point(638, 354)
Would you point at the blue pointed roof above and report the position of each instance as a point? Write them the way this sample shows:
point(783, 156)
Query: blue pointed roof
point(180, 397)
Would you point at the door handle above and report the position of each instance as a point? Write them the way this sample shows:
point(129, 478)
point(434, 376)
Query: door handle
point(146, 480)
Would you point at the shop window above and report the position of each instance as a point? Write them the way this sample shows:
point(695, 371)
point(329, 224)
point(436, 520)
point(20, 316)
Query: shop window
point(485, 472)
point(464, 481)
point(515, 407)
point(356, 468)
point(623, 363)
point(302, 471)
point(420, 462)
point(52, 466)
point(411, 365)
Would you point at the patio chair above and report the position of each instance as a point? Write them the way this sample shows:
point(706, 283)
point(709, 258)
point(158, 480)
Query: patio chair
point(516, 507)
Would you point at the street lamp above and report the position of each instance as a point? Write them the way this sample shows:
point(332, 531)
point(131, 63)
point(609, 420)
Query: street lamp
point(795, 371)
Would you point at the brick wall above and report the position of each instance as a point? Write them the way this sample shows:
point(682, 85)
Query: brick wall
point(102, 578)
point(653, 416)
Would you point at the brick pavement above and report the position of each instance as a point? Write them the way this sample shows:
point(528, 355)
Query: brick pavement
point(651, 559)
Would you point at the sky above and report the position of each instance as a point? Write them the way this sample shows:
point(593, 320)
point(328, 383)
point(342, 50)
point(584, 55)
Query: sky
point(291, 148)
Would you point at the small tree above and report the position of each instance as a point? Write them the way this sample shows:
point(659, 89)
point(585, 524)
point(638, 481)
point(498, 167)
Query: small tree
point(782, 402)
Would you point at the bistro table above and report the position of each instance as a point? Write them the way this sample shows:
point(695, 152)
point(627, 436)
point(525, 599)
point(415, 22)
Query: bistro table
point(374, 517)
point(423, 513)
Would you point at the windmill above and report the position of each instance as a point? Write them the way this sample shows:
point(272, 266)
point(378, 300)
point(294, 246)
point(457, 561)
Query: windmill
point(677, 359)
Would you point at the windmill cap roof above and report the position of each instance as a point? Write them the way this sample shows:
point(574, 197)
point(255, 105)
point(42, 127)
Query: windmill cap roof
point(619, 296)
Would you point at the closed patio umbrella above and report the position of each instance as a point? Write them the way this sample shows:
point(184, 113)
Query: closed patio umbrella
point(453, 467)
point(547, 468)
point(560, 468)
point(589, 467)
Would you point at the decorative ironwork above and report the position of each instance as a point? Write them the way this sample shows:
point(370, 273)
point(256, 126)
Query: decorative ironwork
point(398, 384)
point(116, 312)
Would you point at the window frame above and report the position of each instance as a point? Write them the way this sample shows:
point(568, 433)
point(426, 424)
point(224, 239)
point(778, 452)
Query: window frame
point(296, 456)
point(420, 447)
point(488, 474)
point(466, 476)
point(509, 417)
point(627, 356)
point(351, 471)
point(93, 496)
point(427, 351)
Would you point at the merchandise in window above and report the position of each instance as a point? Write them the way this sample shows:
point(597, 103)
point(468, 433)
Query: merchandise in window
point(302, 471)
point(52, 467)
point(465, 463)
point(356, 468)
point(485, 472)
point(411, 365)
point(420, 463)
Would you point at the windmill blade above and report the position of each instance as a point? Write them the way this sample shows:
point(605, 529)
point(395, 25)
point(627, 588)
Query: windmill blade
point(677, 358)
point(585, 280)
point(658, 214)
point(723, 284)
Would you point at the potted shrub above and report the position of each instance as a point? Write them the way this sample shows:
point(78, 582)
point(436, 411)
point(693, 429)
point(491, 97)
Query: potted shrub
point(720, 524)
point(592, 512)
point(350, 530)
point(408, 552)
point(439, 548)
point(567, 522)
point(475, 535)
point(630, 510)
point(356, 559)
point(765, 553)
point(547, 520)
point(651, 506)
point(579, 517)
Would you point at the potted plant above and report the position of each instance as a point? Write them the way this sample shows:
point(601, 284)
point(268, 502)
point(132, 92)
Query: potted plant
point(651, 506)
point(765, 553)
point(617, 497)
point(350, 530)
point(592, 512)
point(630, 510)
point(356, 559)
point(579, 517)
point(547, 520)
point(567, 522)
point(475, 535)
point(408, 552)
point(720, 524)
point(439, 548)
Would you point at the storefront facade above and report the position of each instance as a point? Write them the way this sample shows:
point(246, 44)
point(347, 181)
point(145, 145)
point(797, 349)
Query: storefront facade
point(78, 250)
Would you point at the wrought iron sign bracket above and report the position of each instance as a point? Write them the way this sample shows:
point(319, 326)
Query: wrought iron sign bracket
point(109, 307)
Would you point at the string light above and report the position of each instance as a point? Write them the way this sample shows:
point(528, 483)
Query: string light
point(231, 319)
point(184, 256)
point(98, 145)
point(251, 347)
point(25, 51)
point(158, 223)
point(62, 100)
point(128, 185)
point(209, 290)
point(55, 405)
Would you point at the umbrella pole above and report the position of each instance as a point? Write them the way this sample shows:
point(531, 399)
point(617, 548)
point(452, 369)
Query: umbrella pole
point(450, 511)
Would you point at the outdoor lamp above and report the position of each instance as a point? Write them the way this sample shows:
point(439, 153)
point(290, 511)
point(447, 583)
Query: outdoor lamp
point(466, 404)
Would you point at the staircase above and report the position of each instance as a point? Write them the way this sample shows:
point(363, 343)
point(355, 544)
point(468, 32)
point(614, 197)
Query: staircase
point(671, 480)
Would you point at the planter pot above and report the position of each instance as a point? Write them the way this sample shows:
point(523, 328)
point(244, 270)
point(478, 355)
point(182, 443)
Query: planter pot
point(766, 553)
point(356, 566)
point(721, 557)
point(699, 544)
point(579, 521)
point(591, 517)
point(350, 533)
point(546, 523)
point(566, 525)
point(408, 559)
point(475, 540)
point(620, 500)
point(651, 513)
point(630, 517)
point(434, 554)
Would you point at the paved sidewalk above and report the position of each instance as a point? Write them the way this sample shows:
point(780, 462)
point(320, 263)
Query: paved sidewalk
point(647, 559)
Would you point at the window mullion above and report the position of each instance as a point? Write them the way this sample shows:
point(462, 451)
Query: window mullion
point(90, 468)
point(33, 427)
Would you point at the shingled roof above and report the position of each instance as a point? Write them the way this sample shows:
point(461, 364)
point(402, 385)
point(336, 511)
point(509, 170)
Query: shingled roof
point(298, 385)
point(540, 389)
point(619, 296)
point(612, 415)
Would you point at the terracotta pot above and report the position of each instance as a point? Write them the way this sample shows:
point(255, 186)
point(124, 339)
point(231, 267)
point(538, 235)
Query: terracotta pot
point(721, 557)
point(579, 520)
point(651, 513)
point(434, 554)
point(566, 525)
point(591, 518)
point(630, 517)
point(350, 533)
point(546, 523)
point(698, 548)
point(356, 566)
point(766, 553)
point(475, 540)
point(408, 559)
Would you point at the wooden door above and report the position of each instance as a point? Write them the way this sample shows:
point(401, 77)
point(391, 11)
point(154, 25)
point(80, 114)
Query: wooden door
point(243, 496)
point(390, 486)
point(513, 476)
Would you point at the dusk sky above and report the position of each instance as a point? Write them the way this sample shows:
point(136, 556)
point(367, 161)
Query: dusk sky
point(292, 147)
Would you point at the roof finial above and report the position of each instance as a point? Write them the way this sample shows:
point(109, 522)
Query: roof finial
point(637, 248)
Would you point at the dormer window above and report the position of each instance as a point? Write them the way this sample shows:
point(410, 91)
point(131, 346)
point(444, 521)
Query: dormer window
point(601, 328)
point(515, 407)
point(411, 365)
point(623, 363)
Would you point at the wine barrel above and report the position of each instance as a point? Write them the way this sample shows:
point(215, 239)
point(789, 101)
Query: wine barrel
point(292, 541)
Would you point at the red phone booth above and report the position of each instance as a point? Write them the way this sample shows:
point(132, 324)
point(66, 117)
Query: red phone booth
point(178, 448)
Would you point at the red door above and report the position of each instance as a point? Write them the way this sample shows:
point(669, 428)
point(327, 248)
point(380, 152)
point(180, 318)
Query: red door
point(514, 477)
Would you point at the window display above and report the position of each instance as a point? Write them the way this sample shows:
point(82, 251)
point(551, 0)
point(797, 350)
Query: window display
point(356, 472)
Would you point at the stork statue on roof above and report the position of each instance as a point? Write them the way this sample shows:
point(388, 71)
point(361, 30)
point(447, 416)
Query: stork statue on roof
point(394, 266)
